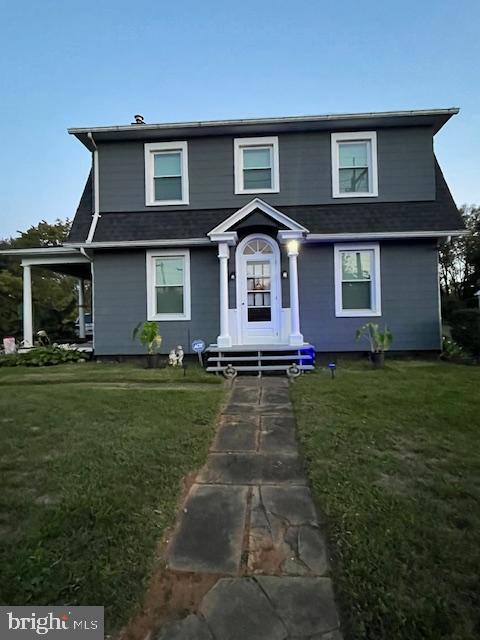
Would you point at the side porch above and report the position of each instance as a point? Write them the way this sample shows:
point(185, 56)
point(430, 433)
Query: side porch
point(62, 260)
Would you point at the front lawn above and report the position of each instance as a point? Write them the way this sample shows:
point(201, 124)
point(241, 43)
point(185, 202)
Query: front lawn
point(90, 478)
point(394, 461)
point(105, 372)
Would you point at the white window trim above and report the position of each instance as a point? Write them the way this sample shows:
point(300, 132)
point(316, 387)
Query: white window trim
point(370, 136)
point(376, 309)
point(239, 145)
point(150, 149)
point(151, 298)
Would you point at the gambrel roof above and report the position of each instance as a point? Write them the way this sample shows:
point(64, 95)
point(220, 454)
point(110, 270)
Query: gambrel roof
point(439, 215)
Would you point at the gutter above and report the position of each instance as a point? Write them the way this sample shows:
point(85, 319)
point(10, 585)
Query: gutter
point(264, 121)
point(169, 242)
point(96, 191)
point(310, 237)
point(382, 235)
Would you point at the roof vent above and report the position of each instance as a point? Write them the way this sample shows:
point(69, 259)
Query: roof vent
point(138, 119)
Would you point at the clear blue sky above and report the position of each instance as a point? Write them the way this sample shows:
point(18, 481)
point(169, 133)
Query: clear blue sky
point(81, 63)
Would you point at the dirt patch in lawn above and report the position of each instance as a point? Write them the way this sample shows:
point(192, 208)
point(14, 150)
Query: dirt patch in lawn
point(170, 595)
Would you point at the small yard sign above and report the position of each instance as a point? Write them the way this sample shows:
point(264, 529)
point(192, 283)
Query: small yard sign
point(199, 347)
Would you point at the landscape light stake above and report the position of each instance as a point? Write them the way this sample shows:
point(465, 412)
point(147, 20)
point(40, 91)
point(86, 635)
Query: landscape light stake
point(332, 366)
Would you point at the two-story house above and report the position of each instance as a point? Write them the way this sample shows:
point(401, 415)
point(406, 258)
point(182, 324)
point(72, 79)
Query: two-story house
point(267, 235)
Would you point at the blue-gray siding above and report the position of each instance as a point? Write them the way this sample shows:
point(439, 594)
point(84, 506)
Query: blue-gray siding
point(120, 302)
point(405, 171)
point(409, 278)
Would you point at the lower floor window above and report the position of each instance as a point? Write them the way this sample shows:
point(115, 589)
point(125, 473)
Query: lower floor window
point(168, 285)
point(357, 280)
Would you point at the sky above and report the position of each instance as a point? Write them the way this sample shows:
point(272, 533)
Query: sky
point(78, 63)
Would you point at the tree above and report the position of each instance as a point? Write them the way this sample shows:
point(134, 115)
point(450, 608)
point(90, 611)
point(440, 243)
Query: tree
point(54, 295)
point(460, 264)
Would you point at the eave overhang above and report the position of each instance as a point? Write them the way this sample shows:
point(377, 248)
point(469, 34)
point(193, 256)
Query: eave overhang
point(434, 118)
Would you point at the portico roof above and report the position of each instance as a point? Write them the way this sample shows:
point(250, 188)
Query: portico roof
point(284, 221)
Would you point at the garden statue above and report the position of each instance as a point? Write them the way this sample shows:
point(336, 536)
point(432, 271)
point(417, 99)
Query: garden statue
point(172, 358)
point(43, 339)
point(180, 355)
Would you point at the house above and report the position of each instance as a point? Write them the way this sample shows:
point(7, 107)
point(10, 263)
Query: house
point(266, 236)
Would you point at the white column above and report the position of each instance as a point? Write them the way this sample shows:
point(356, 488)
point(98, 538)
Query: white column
point(295, 337)
point(81, 309)
point(27, 306)
point(224, 339)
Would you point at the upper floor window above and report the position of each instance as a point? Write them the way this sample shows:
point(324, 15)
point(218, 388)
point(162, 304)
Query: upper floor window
point(166, 173)
point(354, 164)
point(256, 165)
point(357, 280)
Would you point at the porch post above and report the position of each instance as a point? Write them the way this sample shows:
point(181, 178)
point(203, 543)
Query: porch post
point(295, 338)
point(27, 306)
point(224, 339)
point(81, 309)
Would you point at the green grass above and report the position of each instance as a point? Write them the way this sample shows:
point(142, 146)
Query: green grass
point(394, 461)
point(105, 372)
point(90, 479)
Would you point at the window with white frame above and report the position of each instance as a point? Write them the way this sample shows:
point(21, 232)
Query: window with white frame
point(354, 164)
point(168, 285)
point(357, 280)
point(166, 173)
point(256, 165)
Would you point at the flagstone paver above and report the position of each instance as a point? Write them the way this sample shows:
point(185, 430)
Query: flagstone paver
point(210, 533)
point(250, 515)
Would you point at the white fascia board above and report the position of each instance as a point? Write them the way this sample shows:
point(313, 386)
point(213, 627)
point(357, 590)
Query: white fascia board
point(382, 235)
point(38, 261)
point(170, 242)
point(39, 251)
point(250, 121)
point(266, 208)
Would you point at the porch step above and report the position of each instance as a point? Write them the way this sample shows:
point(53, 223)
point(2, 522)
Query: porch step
point(262, 359)
point(267, 367)
point(214, 348)
point(296, 356)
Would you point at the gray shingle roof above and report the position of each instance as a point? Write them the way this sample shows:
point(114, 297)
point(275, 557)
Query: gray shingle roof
point(83, 216)
point(440, 214)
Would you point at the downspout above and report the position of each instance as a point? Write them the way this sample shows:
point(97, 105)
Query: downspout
point(96, 191)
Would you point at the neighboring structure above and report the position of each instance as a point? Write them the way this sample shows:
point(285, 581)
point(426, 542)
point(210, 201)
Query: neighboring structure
point(268, 233)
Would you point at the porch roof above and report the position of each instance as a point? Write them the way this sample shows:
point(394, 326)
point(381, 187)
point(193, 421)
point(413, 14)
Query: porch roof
point(67, 260)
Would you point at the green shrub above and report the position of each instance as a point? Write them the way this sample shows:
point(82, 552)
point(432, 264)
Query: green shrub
point(465, 328)
point(452, 351)
point(41, 357)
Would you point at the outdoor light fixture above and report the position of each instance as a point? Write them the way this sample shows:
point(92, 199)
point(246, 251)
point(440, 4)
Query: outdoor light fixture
point(284, 274)
point(332, 366)
point(232, 275)
point(292, 246)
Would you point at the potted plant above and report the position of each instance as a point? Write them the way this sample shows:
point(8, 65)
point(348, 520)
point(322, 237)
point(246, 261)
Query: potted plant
point(380, 341)
point(147, 333)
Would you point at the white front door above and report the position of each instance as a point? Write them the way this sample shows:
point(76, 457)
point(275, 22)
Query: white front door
point(258, 290)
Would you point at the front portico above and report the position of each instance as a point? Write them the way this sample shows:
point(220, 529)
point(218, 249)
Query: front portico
point(250, 247)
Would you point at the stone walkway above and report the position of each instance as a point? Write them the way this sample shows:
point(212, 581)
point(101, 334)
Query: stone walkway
point(249, 517)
